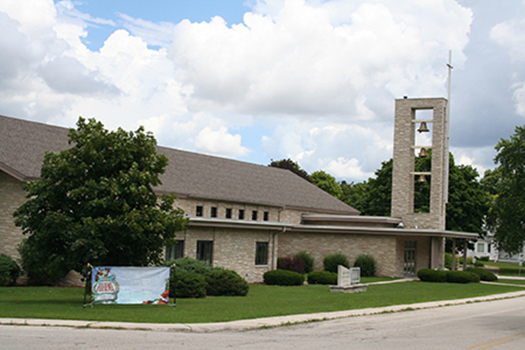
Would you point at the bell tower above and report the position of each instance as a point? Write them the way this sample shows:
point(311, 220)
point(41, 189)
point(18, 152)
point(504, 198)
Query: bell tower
point(421, 130)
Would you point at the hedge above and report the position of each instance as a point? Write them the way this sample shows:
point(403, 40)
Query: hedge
point(283, 278)
point(322, 277)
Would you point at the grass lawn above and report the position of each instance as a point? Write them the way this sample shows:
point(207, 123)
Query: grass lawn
point(519, 282)
point(262, 301)
point(506, 269)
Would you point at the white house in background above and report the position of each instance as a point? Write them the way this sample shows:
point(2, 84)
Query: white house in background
point(487, 247)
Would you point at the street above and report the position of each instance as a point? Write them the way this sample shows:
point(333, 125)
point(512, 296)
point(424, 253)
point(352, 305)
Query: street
point(485, 325)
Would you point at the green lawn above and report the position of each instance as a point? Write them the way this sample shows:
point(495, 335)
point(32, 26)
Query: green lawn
point(519, 282)
point(262, 301)
point(506, 269)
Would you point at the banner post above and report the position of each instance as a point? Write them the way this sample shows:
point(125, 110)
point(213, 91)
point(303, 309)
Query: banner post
point(174, 286)
point(87, 287)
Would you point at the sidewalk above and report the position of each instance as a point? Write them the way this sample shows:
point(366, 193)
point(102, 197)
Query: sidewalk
point(243, 325)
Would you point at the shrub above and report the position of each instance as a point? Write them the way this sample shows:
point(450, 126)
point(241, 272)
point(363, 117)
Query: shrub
point(431, 275)
point(190, 265)
point(484, 275)
point(9, 270)
point(331, 261)
point(308, 261)
point(461, 277)
point(483, 258)
point(188, 285)
point(367, 263)
point(322, 277)
point(225, 282)
point(295, 264)
point(187, 265)
point(283, 278)
point(448, 261)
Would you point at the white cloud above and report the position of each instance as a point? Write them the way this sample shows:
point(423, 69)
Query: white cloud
point(220, 141)
point(511, 34)
point(296, 59)
point(159, 34)
point(319, 76)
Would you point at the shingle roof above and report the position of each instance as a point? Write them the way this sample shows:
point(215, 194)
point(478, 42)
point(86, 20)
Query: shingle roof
point(23, 145)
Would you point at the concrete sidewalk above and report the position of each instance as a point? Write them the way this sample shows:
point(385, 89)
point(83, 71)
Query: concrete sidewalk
point(243, 325)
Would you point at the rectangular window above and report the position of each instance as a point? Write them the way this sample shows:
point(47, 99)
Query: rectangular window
point(410, 258)
point(254, 215)
point(198, 210)
point(213, 212)
point(228, 213)
point(205, 251)
point(266, 216)
point(176, 251)
point(261, 253)
point(241, 214)
point(481, 248)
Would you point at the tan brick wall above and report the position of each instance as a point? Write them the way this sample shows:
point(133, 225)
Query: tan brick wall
point(12, 196)
point(275, 214)
point(233, 249)
point(382, 248)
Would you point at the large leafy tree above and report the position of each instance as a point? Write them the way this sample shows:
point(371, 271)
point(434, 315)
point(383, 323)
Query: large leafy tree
point(327, 182)
point(468, 201)
point(507, 215)
point(94, 202)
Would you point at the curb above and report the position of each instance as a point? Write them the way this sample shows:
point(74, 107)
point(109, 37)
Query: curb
point(252, 324)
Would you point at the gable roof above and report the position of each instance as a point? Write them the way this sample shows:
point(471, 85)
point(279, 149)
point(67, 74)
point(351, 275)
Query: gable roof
point(191, 175)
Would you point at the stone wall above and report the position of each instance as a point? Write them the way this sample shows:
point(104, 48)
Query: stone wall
point(233, 249)
point(276, 214)
point(12, 196)
point(382, 248)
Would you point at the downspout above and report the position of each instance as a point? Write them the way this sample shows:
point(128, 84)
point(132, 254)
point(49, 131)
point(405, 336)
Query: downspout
point(274, 248)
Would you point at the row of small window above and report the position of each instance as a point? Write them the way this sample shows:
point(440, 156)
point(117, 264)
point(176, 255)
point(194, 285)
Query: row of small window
point(205, 252)
point(199, 211)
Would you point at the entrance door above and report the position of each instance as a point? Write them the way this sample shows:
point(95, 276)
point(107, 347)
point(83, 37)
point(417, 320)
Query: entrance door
point(410, 258)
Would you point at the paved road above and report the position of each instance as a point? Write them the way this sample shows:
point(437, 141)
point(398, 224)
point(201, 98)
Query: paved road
point(487, 325)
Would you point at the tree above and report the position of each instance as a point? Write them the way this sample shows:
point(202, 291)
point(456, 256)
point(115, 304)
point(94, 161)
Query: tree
point(94, 202)
point(507, 215)
point(292, 166)
point(468, 201)
point(327, 183)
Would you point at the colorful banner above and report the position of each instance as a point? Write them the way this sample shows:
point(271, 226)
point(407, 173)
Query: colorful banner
point(130, 285)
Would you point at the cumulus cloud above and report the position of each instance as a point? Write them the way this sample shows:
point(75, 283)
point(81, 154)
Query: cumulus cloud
point(296, 59)
point(318, 77)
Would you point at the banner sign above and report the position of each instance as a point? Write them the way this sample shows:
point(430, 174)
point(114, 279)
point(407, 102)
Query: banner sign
point(130, 285)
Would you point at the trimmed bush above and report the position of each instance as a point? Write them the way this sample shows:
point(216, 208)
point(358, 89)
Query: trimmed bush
point(283, 278)
point(331, 261)
point(295, 264)
point(225, 282)
point(187, 265)
point(190, 265)
point(368, 265)
point(322, 277)
point(431, 275)
point(308, 261)
point(9, 270)
point(461, 277)
point(484, 275)
point(188, 285)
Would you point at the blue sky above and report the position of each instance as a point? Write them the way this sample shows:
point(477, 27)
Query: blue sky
point(311, 80)
point(174, 11)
